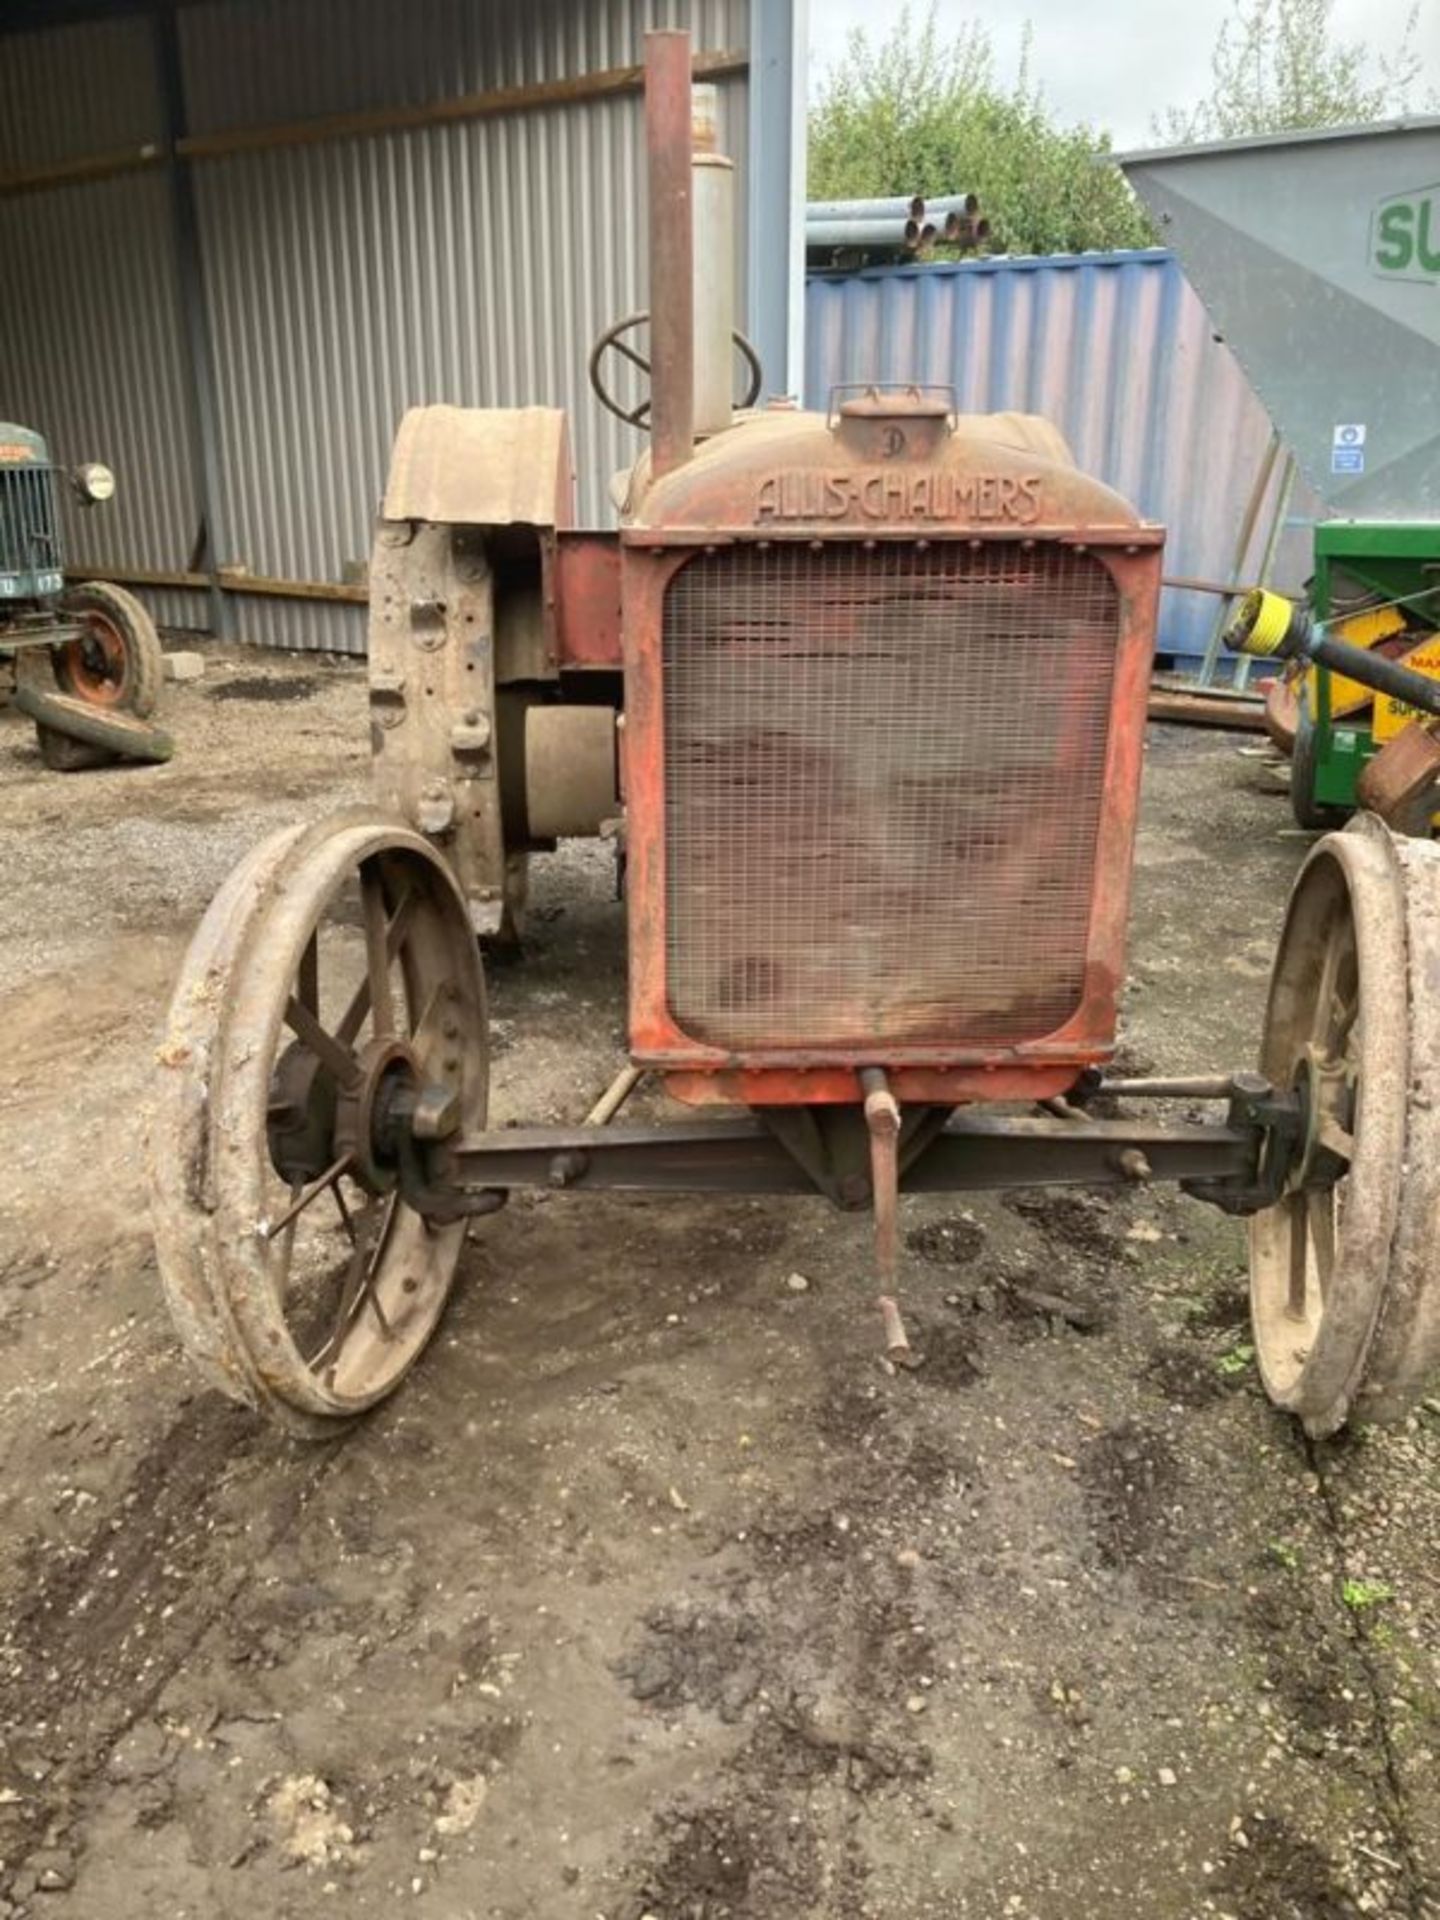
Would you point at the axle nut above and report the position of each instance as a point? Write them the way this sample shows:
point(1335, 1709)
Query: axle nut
point(437, 1113)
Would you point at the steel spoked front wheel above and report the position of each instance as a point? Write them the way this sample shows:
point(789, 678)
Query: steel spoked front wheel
point(336, 964)
point(1336, 1029)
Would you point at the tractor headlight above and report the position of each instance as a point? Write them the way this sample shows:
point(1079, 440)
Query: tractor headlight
point(94, 482)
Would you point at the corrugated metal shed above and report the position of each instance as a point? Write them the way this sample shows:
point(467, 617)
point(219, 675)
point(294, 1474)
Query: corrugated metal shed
point(472, 263)
point(1116, 348)
point(344, 278)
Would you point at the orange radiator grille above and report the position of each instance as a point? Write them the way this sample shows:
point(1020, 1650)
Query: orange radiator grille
point(883, 780)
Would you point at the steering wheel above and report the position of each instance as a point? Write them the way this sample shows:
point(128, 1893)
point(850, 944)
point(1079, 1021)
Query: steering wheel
point(613, 341)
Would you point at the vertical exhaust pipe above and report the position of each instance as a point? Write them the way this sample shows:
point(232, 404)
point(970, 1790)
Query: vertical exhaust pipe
point(713, 222)
point(668, 148)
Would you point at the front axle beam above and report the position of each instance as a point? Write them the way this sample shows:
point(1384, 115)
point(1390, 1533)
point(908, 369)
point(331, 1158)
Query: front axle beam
point(973, 1150)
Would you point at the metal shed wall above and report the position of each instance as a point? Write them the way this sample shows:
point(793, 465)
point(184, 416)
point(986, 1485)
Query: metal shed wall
point(90, 340)
point(344, 279)
point(1117, 349)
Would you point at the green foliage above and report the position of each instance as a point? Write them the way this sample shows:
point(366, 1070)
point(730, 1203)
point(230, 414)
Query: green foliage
point(919, 113)
point(1277, 66)
point(1236, 1360)
point(1284, 1555)
point(1358, 1595)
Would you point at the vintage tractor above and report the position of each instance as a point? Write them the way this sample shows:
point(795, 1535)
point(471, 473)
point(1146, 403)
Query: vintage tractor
point(101, 643)
point(884, 674)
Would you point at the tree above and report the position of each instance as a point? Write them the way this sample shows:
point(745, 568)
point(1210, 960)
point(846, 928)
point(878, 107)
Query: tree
point(922, 114)
point(1277, 65)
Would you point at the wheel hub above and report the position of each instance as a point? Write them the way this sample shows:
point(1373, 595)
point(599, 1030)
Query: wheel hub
point(300, 1116)
point(364, 1126)
point(1325, 1089)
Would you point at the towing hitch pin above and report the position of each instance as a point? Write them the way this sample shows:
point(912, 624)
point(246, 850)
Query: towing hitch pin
point(882, 1122)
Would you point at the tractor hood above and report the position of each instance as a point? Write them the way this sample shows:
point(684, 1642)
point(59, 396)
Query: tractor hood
point(877, 463)
point(21, 446)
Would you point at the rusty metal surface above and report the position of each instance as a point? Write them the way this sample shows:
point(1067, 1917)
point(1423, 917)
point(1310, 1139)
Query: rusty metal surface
point(1319, 1259)
point(481, 467)
point(972, 1152)
point(432, 702)
point(222, 1254)
point(587, 600)
point(446, 627)
point(754, 573)
point(1404, 1355)
point(787, 472)
point(883, 783)
point(668, 147)
point(571, 783)
point(1399, 782)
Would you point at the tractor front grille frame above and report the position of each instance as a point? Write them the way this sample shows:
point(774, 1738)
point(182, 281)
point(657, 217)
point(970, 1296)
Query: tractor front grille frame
point(29, 529)
point(884, 775)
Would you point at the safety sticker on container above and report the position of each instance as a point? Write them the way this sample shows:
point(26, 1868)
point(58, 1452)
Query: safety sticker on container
point(1347, 448)
point(1392, 716)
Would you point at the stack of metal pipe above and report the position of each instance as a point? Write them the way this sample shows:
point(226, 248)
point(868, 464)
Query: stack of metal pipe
point(840, 232)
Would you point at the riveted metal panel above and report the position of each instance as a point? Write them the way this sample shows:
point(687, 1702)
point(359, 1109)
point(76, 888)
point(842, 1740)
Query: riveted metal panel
point(1117, 350)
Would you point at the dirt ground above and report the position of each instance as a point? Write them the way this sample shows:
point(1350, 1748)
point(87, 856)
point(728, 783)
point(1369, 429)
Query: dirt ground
point(650, 1593)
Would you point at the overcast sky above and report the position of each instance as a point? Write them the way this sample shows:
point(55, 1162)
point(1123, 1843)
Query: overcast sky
point(1114, 62)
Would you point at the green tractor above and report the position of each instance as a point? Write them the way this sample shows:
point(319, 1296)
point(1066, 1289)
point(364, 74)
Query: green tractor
point(101, 644)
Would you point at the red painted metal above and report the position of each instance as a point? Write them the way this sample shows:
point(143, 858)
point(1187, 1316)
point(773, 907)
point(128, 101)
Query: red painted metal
point(912, 494)
point(587, 600)
point(668, 138)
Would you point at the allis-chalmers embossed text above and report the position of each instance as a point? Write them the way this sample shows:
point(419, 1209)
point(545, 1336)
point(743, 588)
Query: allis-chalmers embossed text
point(810, 495)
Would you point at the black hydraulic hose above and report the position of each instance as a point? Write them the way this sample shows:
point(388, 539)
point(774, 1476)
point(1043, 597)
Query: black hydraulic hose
point(1374, 670)
point(1269, 626)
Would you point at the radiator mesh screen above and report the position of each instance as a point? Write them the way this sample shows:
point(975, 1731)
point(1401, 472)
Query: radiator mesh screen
point(883, 779)
point(28, 540)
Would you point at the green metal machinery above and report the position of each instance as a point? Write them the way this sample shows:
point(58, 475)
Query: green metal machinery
point(1318, 257)
point(103, 652)
point(1360, 565)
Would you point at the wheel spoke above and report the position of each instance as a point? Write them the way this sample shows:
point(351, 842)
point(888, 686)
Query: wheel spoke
point(307, 984)
point(1336, 1139)
point(287, 1244)
point(300, 1198)
point(1298, 1233)
point(428, 1025)
point(1332, 1014)
point(353, 1017)
point(635, 358)
point(358, 1288)
point(1320, 1232)
point(377, 954)
point(347, 1219)
point(327, 1048)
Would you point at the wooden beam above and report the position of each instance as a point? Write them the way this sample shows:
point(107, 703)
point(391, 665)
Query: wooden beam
point(125, 576)
point(229, 579)
point(1203, 709)
point(605, 84)
point(74, 173)
point(234, 581)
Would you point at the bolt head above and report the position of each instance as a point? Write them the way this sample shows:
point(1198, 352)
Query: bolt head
point(437, 1113)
